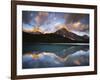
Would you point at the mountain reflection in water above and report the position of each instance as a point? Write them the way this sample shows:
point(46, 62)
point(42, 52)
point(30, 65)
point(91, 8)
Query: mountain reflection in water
point(54, 55)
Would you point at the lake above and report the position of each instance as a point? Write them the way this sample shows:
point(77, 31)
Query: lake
point(46, 55)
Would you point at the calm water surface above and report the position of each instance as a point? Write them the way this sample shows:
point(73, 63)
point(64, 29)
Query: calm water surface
point(54, 55)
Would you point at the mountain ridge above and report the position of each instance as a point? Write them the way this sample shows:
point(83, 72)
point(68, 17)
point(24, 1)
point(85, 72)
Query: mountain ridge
point(62, 34)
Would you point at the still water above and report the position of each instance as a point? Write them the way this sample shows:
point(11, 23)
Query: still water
point(45, 55)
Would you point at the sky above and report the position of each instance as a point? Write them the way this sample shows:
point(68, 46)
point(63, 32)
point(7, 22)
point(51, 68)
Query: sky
point(47, 21)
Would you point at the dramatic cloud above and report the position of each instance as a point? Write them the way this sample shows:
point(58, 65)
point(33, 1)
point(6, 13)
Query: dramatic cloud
point(72, 18)
point(78, 23)
point(41, 18)
point(78, 26)
point(48, 21)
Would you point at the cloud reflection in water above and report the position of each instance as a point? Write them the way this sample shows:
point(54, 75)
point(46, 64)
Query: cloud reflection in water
point(66, 56)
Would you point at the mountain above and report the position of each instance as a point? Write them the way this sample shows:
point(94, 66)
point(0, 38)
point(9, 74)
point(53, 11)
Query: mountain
point(71, 35)
point(61, 35)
